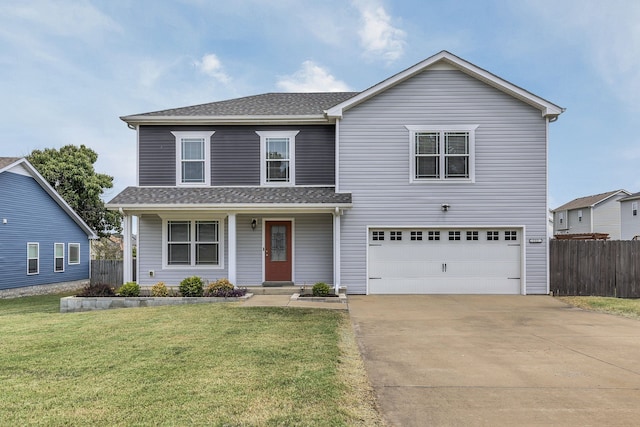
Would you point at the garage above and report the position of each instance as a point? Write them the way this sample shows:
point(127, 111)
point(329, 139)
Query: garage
point(445, 261)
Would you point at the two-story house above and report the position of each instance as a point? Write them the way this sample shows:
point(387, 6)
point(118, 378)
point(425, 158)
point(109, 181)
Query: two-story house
point(431, 181)
point(599, 213)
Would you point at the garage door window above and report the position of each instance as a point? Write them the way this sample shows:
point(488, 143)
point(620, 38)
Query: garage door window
point(454, 235)
point(511, 235)
point(493, 235)
point(395, 235)
point(472, 235)
point(416, 235)
point(434, 235)
point(378, 236)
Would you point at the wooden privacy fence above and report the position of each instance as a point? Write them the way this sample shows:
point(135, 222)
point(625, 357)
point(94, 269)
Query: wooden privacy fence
point(109, 271)
point(609, 268)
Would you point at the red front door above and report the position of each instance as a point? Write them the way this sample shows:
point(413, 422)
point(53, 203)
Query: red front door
point(277, 251)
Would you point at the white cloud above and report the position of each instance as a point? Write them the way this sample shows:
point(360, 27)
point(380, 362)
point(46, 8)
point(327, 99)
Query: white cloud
point(211, 66)
point(378, 37)
point(311, 78)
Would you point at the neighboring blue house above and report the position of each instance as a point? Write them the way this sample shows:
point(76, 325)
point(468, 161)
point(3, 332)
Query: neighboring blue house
point(431, 181)
point(42, 240)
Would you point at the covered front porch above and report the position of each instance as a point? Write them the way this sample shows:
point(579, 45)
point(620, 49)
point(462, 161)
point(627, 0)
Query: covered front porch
point(284, 241)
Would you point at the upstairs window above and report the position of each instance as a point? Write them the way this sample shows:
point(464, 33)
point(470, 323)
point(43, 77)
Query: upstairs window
point(277, 153)
point(580, 215)
point(193, 158)
point(634, 208)
point(442, 154)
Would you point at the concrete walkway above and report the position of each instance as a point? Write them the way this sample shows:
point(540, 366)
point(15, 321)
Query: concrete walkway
point(498, 361)
point(285, 301)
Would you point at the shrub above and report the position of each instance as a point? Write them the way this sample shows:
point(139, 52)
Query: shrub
point(218, 287)
point(320, 289)
point(159, 290)
point(97, 290)
point(129, 289)
point(191, 287)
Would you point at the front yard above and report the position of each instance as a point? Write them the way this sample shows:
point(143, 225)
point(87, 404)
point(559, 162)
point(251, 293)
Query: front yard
point(185, 365)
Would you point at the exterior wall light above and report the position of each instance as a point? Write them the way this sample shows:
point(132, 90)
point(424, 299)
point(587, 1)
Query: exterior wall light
point(254, 223)
point(445, 207)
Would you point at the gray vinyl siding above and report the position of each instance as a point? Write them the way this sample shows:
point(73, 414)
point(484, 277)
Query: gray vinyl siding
point(235, 154)
point(249, 250)
point(574, 225)
point(313, 251)
point(149, 256)
point(629, 224)
point(510, 168)
point(313, 260)
point(606, 217)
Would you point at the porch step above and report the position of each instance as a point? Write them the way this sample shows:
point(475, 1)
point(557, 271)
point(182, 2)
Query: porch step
point(266, 290)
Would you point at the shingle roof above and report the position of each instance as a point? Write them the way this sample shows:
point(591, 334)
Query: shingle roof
point(6, 161)
point(587, 201)
point(210, 196)
point(267, 104)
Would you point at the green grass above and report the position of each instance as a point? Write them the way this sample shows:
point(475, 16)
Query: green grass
point(617, 306)
point(214, 365)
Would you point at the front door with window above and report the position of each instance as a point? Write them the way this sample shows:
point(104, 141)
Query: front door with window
point(277, 251)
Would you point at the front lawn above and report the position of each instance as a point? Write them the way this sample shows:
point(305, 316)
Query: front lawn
point(619, 306)
point(217, 364)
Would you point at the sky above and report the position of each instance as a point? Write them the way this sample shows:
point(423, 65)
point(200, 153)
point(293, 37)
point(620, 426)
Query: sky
point(70, 68)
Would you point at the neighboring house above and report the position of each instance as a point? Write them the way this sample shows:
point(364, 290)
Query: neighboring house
point(629, 218)
point(599, 213)
point(42, 240)
point(432, 181)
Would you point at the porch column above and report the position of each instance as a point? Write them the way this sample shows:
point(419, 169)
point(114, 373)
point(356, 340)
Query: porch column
point(127, 256)
point(336, 249)
point(232, 248)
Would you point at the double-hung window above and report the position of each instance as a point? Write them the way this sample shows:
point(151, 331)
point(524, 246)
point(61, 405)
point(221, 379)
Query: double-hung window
point(193, 158)
point(442, 153)
point(193, 243)
point(277, 154)
point(58, 257)
point(33, 258)
point(634, 208)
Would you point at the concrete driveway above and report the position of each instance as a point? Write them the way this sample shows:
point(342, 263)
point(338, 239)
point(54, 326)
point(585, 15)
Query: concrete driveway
point(498, 361)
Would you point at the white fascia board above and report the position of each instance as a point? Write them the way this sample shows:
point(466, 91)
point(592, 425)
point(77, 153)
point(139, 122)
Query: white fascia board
point(239, 208)
point(547, 108)
point(56, 196)
point(207, 120)
point(609, 197)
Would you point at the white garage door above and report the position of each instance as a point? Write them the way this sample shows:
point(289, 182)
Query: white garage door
point(451, 261)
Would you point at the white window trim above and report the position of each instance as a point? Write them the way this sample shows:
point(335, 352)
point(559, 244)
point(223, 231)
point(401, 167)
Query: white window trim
point(206, 135)
point(291, 135)
point(69, 253)
point(192, 265)
point(634, 208)
point(413, 129)
point(55, 245)
point(38, 246)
